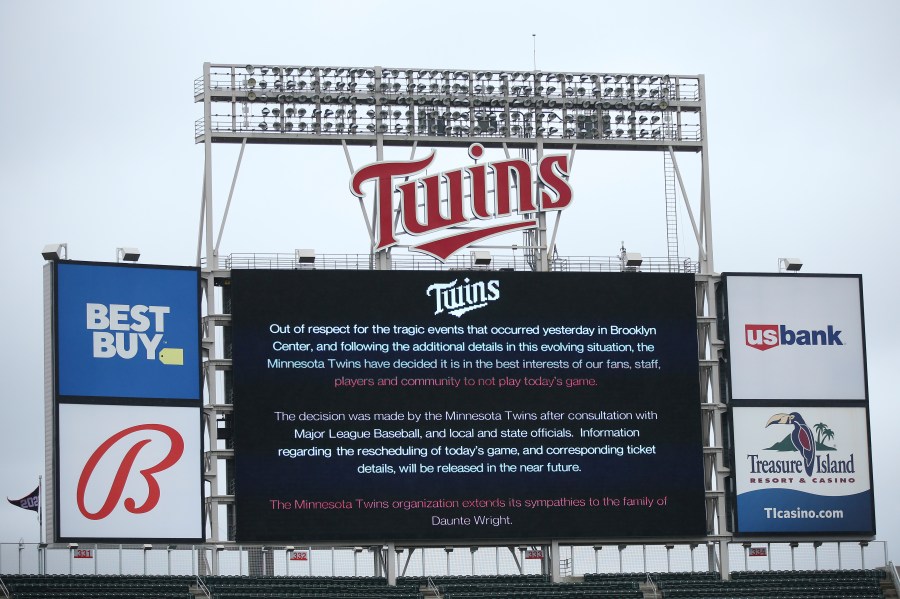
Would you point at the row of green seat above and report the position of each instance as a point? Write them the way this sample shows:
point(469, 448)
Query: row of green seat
point(365, 581)
point(826, 583)
point(95, 594)
point(765, 585)
point(303, 595)
point(486, 578)
point(873, 574)
point(289, 585)
point(625, 585)
point(781, 594)
point(654, 576)
point(91, 586)
point(525, 593)
point(774, 595)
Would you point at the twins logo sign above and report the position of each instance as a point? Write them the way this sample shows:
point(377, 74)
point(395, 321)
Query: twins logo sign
point(129, 471)
point(475, 207)
point(127, 331)
point(458, 299)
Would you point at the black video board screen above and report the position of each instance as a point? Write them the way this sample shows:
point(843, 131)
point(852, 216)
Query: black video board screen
point(472, 405)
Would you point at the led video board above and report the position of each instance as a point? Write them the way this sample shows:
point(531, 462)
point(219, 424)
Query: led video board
point(795, 337)
point(465, 405)
point(802, 469)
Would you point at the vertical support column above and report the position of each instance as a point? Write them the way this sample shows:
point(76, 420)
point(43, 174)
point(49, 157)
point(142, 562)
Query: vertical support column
point(554, 554)
point(210, 463)
point(706, 263)
point(382, 259)
point(391, 565)
point(376, 557)
point(542, 263)
point(707, 268)
point(207, 164)
point(717, 417)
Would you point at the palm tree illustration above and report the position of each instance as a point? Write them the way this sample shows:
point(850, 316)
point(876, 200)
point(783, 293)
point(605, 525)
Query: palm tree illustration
point(820, 428)
point(827, 434)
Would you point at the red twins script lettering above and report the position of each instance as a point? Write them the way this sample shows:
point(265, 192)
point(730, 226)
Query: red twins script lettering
point(118, 484)
point(552, 193)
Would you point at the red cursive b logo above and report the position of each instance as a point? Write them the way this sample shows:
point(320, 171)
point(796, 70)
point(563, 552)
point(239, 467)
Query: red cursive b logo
point(118, 484)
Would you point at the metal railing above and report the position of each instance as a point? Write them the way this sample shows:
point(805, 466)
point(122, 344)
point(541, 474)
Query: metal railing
point(433, 587)
point(895, 579)
point(282, 561)
point(202, 587)
point(515, 262)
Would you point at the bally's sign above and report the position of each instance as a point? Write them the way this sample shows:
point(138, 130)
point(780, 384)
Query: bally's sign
point(129, 472)
point(547, 189)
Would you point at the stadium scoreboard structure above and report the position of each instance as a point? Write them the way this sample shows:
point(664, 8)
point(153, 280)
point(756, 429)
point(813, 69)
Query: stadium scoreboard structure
point(453, 405)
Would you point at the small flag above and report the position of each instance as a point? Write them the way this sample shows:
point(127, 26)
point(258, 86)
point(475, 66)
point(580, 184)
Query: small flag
point(29, 502)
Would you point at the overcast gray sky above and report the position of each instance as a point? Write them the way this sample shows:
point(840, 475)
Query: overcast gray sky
point(97, 149)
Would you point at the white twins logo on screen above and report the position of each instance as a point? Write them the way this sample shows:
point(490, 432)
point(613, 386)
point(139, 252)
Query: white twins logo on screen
point(459, 299)
point(127, 332)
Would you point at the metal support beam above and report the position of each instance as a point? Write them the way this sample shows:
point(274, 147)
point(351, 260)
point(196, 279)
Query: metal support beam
point(391, 565)
point(697, 234)
point(237, 169)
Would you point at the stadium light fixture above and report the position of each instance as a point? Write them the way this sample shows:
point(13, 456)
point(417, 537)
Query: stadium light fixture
point(128, 254)
point(56, 251)
point(633, 259)
point(481, 258)
point(790, 264)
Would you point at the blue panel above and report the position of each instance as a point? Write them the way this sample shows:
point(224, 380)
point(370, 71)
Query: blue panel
point(790, 511)
point(128, 331)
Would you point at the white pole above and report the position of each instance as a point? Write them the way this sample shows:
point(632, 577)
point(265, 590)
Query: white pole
point(40, 511)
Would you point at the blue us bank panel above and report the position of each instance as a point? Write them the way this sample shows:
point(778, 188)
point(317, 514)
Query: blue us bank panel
point(127, 331)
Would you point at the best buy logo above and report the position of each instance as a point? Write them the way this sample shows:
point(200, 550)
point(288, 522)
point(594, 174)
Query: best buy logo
point(131, 331)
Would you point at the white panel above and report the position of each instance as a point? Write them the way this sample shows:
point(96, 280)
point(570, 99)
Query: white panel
point(764, 457)
point(795, 338)
point(163, 452)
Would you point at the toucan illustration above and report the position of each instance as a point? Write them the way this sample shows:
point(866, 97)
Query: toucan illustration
point(801, 437)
